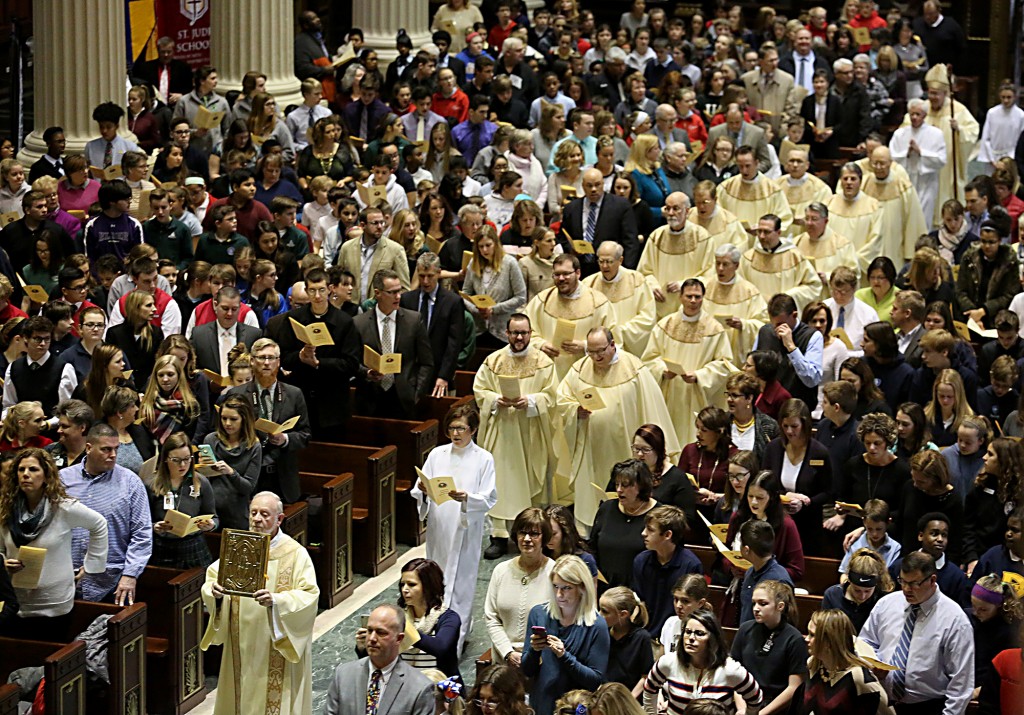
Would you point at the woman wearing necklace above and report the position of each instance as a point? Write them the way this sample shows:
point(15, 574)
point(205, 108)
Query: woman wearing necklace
point(805, 470)
point(671, 485)
point(617, 535)
point(700, 668)
point(517, 585)
point(751, 429)
point(772, 648)
point(326, 154)
point(707, 459)
point(877, 474)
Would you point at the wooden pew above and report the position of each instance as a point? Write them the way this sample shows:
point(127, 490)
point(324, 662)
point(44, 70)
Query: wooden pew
point(9, 695)
point(464, 382)
point(174, 676)
point(706, 554)
point(373, 497)
point(63, 668)
point(414, 440)
point(806, 605)
point(483, 662)
point(819, 574)
point(332, 552)
point(436, 408)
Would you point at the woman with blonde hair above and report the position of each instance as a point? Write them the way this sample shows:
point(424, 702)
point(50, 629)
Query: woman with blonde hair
point(571, 635)
point(538, 266)
point(176, 486)
point(22, 426)
point(440, 151)
point(137, 337)
point(837, 673)
point(169, 405)
point(265, 123)
point(569, 162)
point(645, 165)
point(927, 275)
point(405, 230)
point(496, 274)
point(866, 580)
point(630, 655)
point(614, 698)
point(929, 492)
point(949, 406)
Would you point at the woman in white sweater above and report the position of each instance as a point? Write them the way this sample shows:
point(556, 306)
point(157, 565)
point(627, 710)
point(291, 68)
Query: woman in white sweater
point(494, 273)
point(35, 511)
point(521, 159)
point(517, 585)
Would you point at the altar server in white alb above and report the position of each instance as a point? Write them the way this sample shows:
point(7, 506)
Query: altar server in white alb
point(1004, 124)
point(455, 528)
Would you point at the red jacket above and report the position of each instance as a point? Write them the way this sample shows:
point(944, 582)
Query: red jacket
point(454, 107)
point(161, 300)
point(204, 312)
point(1015, 207)
point(78, 316)
point(871, 23)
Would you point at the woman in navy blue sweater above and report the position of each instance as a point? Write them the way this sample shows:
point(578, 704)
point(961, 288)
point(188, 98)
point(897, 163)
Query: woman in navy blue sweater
point(569, 640)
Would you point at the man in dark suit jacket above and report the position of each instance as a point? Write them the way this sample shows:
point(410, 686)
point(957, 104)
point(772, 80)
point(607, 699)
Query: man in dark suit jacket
point(615, 222)
point(408, 691)
point(793, 62)
point(52, 162)
point(908, 314)
point(854, 120)
point(442, 315)
point(309, 47)
point(274, 400)
point(393, 396)
point(179, 79)
point(323, 373)
point(443, 40)
point(227, 328)
point(368, 104)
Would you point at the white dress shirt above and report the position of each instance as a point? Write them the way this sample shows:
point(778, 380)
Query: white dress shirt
point(856, 315)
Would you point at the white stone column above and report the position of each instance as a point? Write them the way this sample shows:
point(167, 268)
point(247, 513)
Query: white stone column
point(79, 63)
point(380, 21)
point(255, 35)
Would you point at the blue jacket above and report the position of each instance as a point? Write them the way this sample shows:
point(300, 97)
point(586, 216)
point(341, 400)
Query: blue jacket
point(654, 190)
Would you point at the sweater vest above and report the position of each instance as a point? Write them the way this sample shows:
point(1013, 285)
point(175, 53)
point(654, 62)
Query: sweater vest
point(40, 385)
point(160, 301)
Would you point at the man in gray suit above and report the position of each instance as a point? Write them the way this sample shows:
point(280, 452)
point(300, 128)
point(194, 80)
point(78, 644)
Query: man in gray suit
point(381, 683)
point(215, 339)
point(743, 132)
point(391, 329)
point(908, 314)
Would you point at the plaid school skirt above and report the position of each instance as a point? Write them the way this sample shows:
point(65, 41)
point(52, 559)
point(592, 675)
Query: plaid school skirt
point(180, 553)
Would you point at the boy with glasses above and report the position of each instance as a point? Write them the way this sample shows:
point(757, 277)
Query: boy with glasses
point(34, 377)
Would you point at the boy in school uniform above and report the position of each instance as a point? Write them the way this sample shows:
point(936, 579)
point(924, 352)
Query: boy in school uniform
point(658, 568)
point(757, 541)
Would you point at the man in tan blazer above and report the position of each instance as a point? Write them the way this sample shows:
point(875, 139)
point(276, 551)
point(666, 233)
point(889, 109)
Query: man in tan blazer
point(769, 89)
point(364, 255)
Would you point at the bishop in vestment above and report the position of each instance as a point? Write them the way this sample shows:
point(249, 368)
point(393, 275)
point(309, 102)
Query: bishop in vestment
point(266, 666)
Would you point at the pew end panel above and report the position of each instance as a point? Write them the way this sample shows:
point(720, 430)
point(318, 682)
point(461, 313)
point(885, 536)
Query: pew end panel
point(332, 556)
point(64, 691)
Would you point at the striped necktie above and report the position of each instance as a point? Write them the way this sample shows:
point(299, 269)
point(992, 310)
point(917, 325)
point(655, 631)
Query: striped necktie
point(899, 658)
point(588, 234)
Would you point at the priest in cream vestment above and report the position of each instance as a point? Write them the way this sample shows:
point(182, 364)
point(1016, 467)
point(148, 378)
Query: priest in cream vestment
point(823, 247)
point(631, 294)
point(571, 301)
point(902, 218)
point(737, 300)
point(600, 437)
point(689, 354)
point(801, 188)
point(750, 194)
point(675, 252)
point(266, 666)
point(858, 217)
point(722, 225)
point(775, 265)
point(967, 133)
point(518, 430)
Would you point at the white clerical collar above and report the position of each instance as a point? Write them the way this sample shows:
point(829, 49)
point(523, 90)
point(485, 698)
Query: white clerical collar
point(938, 20)
point(680, 232)
point(797, 182)
point(688, 318)
point(886, 180)
point(278, 538)
point(576, 293)
point(756, 178)
point(521, 353)
point(728, 283)
point(616, 279)
point(856, 198)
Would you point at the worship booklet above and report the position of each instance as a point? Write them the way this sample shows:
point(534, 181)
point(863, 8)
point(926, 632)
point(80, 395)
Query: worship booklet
point(109, 174)
point(32, 558)
point(272, 428)
point(217, 379)
point(141, 210)
point(9, 218)
point(590, 399)
point(568, 193)
point(718, 531)
point(467, 257)
point(602, 494)
point(480, 301)
point(386, 364)
point(315, 334)
point(673, 366)
point(843, 337)
point(412, 636)
point(867, 653)
point(127, 374)
point(718, 537)
point(861, 35)
point(205, 119)
point(855, 509)
point(36, 293)
point(962, 330)
point(991, 334)
point(583, 248)
point(433, 245)
point(510, 387)
point(372, 194)
point(437, 488)
point(565, 332)
point(183, 524)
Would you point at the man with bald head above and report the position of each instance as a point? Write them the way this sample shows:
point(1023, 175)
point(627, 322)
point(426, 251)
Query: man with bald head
point(903, 220)
point(801, 187)
point(675, 252)
point(596, 217)
point(630, 293)
point(743, 133)
point(267, 637)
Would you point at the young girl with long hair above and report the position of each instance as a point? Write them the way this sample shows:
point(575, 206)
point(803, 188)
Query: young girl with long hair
point(630, 656)
point(238, 452)
point(168, 405)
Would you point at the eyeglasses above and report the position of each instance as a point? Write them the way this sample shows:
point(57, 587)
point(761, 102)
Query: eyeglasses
point(265, 358)
point(180, 461)
point(532, 534)
point(637, 449)
point(458, 429)
point(78, 288)
point(599, 350)
point(93, 326)
point(488, 705)
point(689, 633)
point(518, 333)
point(738, 477)
point(40, 339)
point(911, 584)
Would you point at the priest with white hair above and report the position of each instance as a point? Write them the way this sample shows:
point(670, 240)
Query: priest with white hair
point(903, 220)
point(735, 302)
point(920, 148)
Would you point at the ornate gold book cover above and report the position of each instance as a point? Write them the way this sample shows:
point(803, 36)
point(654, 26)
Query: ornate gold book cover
point(243, 561)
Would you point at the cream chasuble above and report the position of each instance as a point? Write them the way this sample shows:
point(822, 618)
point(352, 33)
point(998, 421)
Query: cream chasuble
point(632, 398)
point(750, 200)
point(805, 190)
point(669, 256)
point(589, 310)
point(266, 667)
point(521, 441)
point(903, 220)
point(860, 221)
point(783, 271)
point(699, 346)
point(828, 253)
point(633, 305)
point(741, 299)
point(723, 226)
point(967, 139)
